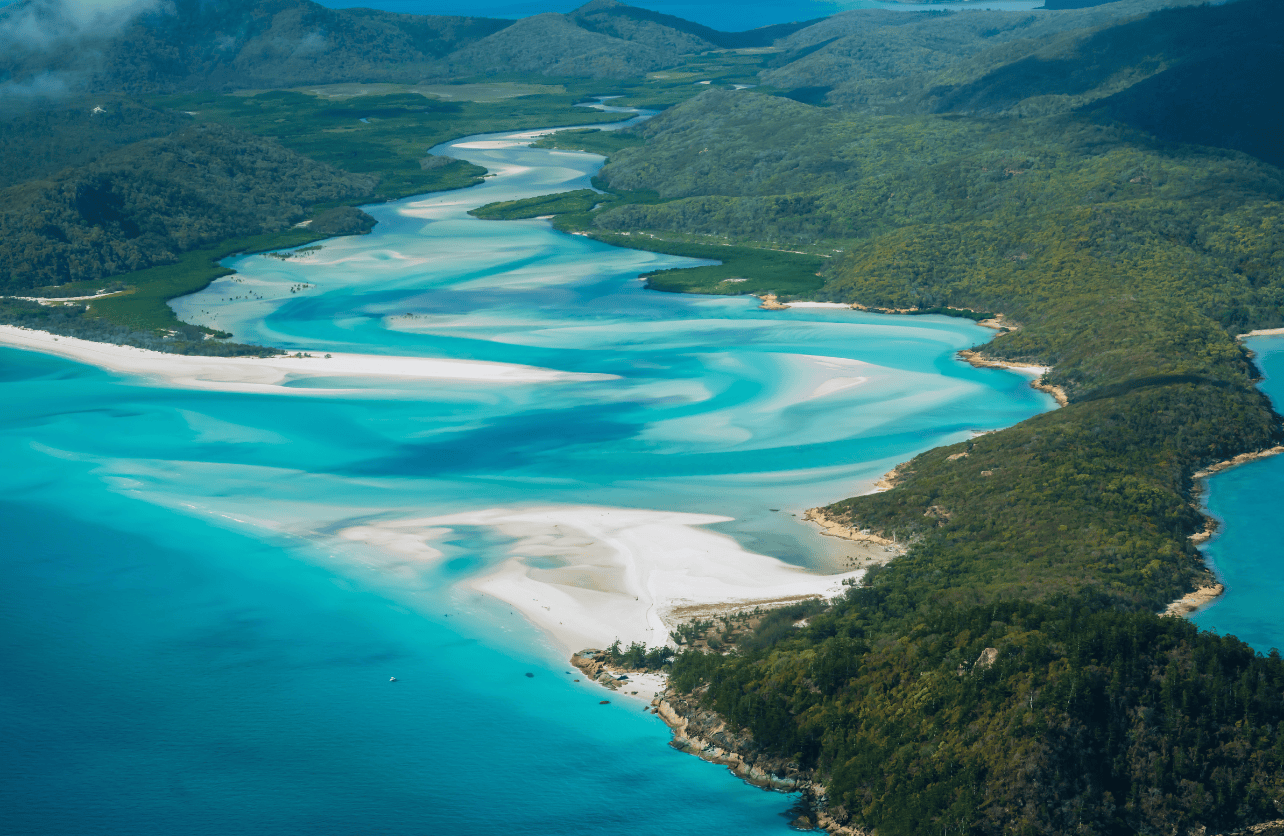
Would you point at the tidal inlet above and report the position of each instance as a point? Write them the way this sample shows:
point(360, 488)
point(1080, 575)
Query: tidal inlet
point(424, 420)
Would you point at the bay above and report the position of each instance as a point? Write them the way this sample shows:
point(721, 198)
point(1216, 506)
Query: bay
point(193, 643)
point(1247, 552)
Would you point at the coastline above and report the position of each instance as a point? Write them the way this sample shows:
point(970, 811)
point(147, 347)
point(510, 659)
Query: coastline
point(587, 575)
point(1211, 589)
point(1192, 602)
point(874, 550)
point(980, 361)
point(270, 375)
point(1242, 458)
point(703, 733)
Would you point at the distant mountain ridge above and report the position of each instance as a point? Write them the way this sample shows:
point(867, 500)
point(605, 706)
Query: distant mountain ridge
point(870, 59)
point(231, 44)
point(225, 44)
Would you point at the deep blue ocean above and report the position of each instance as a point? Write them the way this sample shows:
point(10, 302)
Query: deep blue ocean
point(191, 642)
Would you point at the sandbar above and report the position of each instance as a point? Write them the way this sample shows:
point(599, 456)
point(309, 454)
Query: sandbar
point(589, 575)
point(273, 374)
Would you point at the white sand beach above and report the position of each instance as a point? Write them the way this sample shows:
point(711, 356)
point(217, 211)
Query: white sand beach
point(271, 374)
point(589, 575)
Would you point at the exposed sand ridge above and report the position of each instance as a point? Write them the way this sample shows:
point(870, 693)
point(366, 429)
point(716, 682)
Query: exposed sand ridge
point(273, 374)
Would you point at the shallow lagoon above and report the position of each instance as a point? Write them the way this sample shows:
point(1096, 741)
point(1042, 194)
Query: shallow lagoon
point(191, 648)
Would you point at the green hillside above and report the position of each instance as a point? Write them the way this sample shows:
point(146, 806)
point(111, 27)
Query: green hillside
point(1107, 178)
point(1126, 262)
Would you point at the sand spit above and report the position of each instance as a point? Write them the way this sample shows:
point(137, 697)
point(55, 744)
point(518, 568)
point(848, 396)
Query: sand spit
point(1038, 372)
point(1193, 602)
point(891, 478)
point(272, 374)
point(588, 575)
point(58, 300)
point(1242, 458)
point(872, 550)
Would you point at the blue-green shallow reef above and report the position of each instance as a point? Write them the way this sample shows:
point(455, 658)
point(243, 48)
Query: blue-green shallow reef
point(193, 680)
point(1248, 551)
point(192, 645)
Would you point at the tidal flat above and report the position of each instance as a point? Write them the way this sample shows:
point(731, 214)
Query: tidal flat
point(220, 652)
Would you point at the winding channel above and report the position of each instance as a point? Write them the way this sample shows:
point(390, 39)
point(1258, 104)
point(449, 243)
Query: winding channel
point(207, 592)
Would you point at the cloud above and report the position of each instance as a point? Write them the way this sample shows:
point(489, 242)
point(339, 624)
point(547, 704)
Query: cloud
point(44, 86)
point(314, 44)
point(35, 26)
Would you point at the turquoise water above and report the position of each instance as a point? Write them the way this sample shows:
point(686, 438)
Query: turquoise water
point(188, 644)
point(1248, 551)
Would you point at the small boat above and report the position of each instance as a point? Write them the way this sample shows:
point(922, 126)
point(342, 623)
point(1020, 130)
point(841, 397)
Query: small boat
point(604, 702)
point(392, 679)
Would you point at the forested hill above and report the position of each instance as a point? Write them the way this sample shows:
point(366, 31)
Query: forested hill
point(603, 39)
point(1034, 63)
point(50, 47)
point(201, 185)
point(1105, 178)
point(38, 142)
point(1129, 263)
point(1010, 674)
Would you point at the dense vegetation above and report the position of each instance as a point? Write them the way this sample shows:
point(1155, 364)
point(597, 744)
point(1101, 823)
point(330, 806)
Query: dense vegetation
point(38, 142)
point(1127, 263)
point(580, 200)
point(1067, 716)
point(636, 657)
point(159, 213)
point(136, 49)
point(74, 320)
point(1008, 674)
point(144, 204)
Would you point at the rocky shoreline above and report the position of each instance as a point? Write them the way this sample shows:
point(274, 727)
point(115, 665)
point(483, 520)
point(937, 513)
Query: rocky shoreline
point(874, 549)
point(703, 733)
point(1210, 589)
point(975, 358)
point(1193, 602)
point(771, 302)
point(1242, 458)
